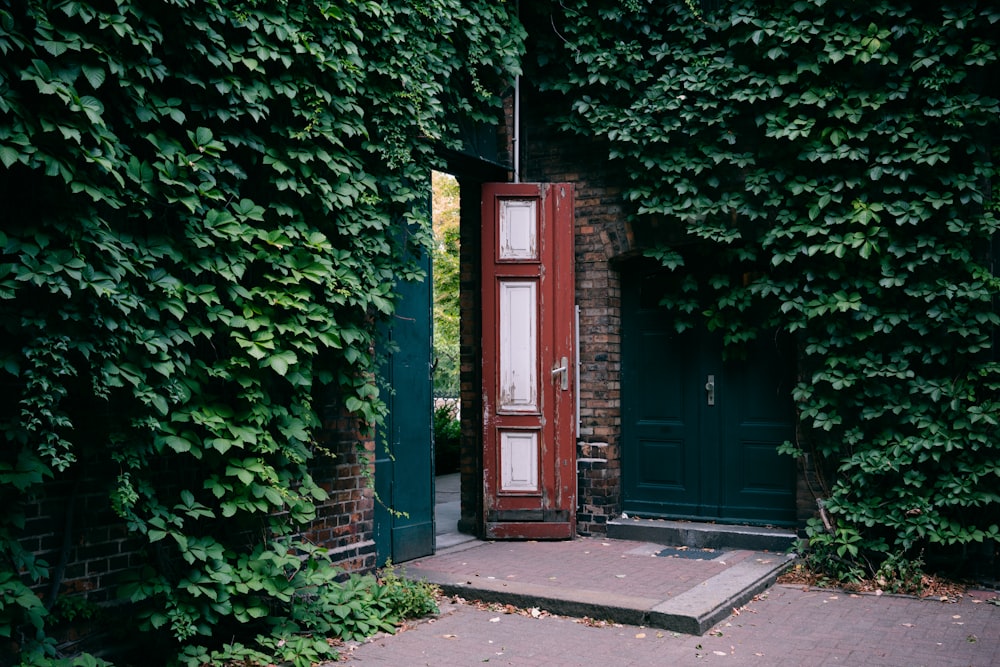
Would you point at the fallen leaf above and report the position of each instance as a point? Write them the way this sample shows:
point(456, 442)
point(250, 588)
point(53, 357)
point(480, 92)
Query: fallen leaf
point(450, 636)
point(719, 652)
point(620, 576)
point(957, 616)
point(907, 625)
point(495, 619)
point(641, 635)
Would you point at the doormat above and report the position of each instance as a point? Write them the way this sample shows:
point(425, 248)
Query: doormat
point(690, 552)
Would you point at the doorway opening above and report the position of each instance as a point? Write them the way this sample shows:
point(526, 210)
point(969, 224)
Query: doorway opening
point(526, 232)
point(446, 321)
point(446, 345)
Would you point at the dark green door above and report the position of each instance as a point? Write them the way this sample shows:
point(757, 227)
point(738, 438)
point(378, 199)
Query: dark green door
point(700, 432)
point(404, 459)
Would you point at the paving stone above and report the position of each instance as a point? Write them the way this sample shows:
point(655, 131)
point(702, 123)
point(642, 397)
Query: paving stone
point(785, 627)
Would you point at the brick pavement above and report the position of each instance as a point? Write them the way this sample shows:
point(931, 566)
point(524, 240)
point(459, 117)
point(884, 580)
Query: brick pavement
point(619, 566)
point(785, 626)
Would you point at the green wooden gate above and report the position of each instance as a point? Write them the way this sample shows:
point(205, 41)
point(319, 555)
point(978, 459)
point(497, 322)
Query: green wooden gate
point(700, 432)
point(404, 460)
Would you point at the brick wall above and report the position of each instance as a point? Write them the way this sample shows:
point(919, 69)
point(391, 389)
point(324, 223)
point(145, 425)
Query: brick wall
point(470, 373)
point(345, 522)
point(601, 237)
point(604, 245)
point(598, 486)
point(72, 527)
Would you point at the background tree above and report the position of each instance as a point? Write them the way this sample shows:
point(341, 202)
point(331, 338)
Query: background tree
point(445, 206)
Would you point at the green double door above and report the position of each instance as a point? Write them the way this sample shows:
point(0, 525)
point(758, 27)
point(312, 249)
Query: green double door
point(700, 431)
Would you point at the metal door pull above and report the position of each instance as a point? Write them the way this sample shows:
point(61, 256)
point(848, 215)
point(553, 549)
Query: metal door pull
point(710, 389)
point(564, 369)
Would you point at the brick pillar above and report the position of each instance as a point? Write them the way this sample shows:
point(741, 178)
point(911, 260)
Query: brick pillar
point(470, 373)
point(599, 496)
point(345, 522)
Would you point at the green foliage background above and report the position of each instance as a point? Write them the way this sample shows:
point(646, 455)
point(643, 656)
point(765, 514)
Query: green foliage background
point(206, 206)
point(445, 258)
point(828, 169)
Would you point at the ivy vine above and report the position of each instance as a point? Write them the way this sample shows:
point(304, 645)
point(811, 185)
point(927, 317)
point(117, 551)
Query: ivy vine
point(833, 165)
point(206, 209)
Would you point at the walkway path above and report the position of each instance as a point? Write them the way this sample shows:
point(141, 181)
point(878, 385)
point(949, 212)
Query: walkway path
point(656, 605)
point(785, 626)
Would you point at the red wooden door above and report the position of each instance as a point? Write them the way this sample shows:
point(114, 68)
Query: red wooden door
point(529, 457)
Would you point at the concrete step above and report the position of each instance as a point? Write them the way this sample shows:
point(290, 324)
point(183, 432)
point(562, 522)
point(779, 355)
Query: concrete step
point(702, 535)
point(715, 588)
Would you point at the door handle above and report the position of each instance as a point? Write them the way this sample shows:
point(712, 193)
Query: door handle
point(564, 370)
point(710, 390)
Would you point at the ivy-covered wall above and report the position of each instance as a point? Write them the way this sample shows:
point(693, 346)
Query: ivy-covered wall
point(206, 207)
point(827, 169)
